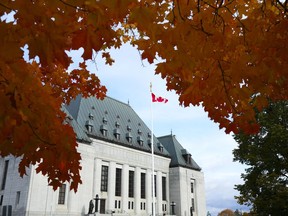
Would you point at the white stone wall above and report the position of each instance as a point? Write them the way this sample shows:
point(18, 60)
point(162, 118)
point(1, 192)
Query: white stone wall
point(180, 191)
point(14, 184)
point(37, 198)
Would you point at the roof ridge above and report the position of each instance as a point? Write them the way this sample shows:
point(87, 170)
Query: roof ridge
point(127, 104)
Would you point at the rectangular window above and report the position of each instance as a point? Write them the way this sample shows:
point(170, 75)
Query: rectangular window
point(116, 204)
point(4, 174)
point(118, 182)
point(62, 193)
point(193, 204)
point(1, 200)
point(192, 187)
point(104, 178)
point(164, 188)
point(155, 187)
point(17, 198)
point(143, 185)
point(131, 183)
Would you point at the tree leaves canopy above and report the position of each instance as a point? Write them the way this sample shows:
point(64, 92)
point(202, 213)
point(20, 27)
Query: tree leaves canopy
point(228, 56)
point(265, 186)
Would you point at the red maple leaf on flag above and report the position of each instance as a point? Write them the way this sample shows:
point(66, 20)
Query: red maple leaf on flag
point(158, 99)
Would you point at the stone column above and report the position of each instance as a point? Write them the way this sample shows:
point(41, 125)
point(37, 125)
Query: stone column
point(111, 186)
point(159, 192)
point(137, 189)
point(97, 176)
point(125, 187)
point(149, 192)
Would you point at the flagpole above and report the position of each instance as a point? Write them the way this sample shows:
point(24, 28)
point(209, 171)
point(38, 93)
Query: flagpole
point(152, 155)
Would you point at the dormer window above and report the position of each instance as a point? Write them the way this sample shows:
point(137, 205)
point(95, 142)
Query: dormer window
point(149, 135)
point(160, 147)
point(128, 128)
point(139, 132)
point(117, 124)
point(68, 119)
point(116, 133)
point(149, 143)
point(129, 137)
point(103, 130)
point(140, 140)
point(104, 120)
point(91, 116)
point(186, 155)
point(89, 126)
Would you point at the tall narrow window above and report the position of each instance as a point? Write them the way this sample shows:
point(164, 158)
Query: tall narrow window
point(104, 178)
point(1, 200)
point(4, 175)
point(131, 183)
point(17, 198)
point(163, 188)
point(193, 204)
point(155, 187)
point(118, 182)
point(143, 185)
point(192, 187)
point(62, 193)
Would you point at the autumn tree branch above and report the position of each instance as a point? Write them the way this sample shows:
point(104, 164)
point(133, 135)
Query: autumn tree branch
point(37, 136)
point(75, 7)
point(4, 6)
point(225, 87)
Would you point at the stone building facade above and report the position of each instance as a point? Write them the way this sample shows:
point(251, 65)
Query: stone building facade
point(115, 147)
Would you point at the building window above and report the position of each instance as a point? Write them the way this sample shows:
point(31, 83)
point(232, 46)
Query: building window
point(17, 198)
point(130, 205)
point(4, 174)
point(89, 126)
point(193, 204)
point(119, 204)
point(160, 147)
point(62, 193)
point(1, 200)
point(104, 178)
point(104, 130)
point(143, 185)
point(117, 134)
point(129, 137)
point(164, 188)
point(192, 187)
point(155, 187)
point(140, 140)
point(118, 182)
point(116, 204)
point(131, 183)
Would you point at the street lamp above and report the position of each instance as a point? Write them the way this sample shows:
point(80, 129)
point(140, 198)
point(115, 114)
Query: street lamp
point(173, 204)
point(96, 203)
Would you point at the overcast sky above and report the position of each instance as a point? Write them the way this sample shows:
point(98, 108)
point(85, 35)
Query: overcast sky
point(128, 80)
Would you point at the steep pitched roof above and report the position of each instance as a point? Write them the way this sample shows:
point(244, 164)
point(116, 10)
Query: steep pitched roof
point(179, 155)
point(79, 131)
point(112, 115)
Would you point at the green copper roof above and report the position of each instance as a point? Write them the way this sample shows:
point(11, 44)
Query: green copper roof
point(79, 131)
point(179, 155)
point(97, 116)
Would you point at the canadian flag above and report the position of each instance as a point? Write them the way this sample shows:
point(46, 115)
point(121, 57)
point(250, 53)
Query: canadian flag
point(158, 99)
